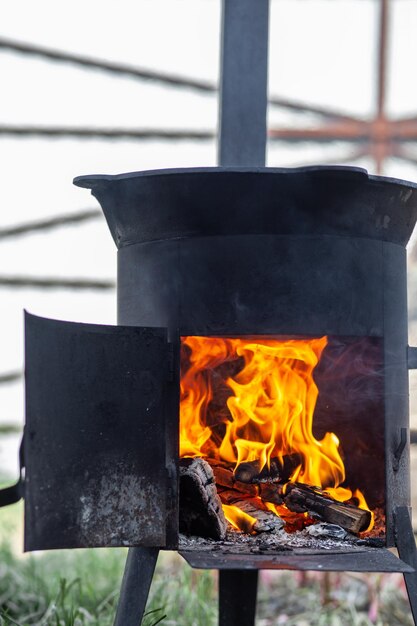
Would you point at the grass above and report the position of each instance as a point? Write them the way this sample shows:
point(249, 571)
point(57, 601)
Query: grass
point(80, 588)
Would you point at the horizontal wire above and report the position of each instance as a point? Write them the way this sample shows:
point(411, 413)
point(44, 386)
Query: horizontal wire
point(48, 224)
point(159, 77)
point(55, 283)
point(114, 68)
point(107, 133)
point(302, 107)
point(276, 135)
point(10, 377)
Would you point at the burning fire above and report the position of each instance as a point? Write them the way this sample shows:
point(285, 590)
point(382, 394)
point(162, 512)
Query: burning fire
point(268, 388)
point(239, 519)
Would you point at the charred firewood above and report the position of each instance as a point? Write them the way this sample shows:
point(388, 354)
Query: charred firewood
point(372, 542)
point(270, 493)
point(266, 521)
point(277, 472)
point(225, 478)
point(303, 498)
point(266, 488)
point(201, 510)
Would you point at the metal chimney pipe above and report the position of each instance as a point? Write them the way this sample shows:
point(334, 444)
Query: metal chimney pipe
point(243, 83)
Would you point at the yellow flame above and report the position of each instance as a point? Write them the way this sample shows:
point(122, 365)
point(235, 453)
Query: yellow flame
point(363, 505)
point(238, 518)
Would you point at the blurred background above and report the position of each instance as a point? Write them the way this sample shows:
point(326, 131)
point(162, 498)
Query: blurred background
point(104, 87)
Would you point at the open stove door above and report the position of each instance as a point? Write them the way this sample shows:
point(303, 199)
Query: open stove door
point(97, 403)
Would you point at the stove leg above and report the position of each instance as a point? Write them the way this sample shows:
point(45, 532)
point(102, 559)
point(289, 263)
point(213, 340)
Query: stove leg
point(137, 578)
point(406, 545)
point(237, 597)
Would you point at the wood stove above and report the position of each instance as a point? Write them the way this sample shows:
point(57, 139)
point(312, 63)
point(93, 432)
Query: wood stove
point(222, 273)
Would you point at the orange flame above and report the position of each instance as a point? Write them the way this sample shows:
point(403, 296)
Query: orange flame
point(238, 518)
point(270, 407)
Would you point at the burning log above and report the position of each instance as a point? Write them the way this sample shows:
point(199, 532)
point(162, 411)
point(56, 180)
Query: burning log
point(271, 493)
point(268, 492)
point(277, 472)
point(201, 510)
point(266, 521)
point(302, 498)
point(225, 478)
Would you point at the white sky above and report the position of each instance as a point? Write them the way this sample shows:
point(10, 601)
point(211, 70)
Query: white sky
point(321, 51)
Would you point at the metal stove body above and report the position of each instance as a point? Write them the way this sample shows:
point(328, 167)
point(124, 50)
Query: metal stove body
point(212, 252)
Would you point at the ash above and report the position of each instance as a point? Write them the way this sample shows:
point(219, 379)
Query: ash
point(278, 541)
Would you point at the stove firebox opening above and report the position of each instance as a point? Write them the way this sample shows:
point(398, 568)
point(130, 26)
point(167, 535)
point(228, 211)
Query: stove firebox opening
point(282, 439)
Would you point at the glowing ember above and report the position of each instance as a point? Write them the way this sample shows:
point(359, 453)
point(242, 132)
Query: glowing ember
point(270, 398)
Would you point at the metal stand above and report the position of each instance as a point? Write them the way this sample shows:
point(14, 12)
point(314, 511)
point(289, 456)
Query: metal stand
point(237, 597)
point(137, 578)
point(407, 550)
point(237, 591)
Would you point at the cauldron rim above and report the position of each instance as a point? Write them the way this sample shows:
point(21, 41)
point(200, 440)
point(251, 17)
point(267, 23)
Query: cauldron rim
point(318, 200)
point(90, 180)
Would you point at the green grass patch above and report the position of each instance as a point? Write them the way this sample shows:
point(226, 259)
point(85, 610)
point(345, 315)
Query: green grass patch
point(81, 587)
